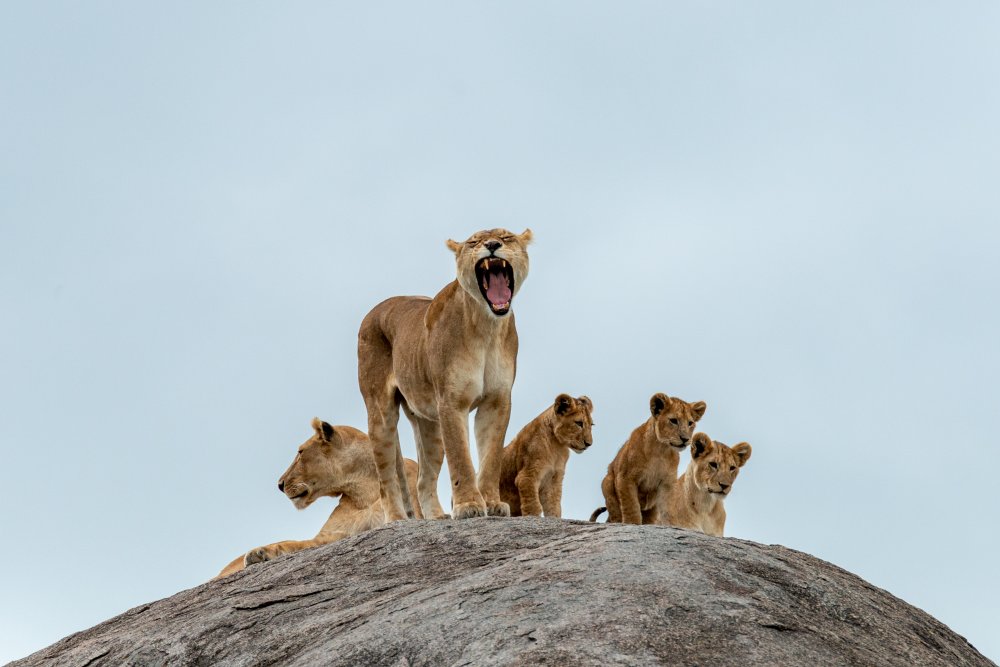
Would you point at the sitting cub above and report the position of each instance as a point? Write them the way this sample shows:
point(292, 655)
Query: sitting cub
point(335, 461)
point(696, 500)
point(533, 464)
point(646, 466)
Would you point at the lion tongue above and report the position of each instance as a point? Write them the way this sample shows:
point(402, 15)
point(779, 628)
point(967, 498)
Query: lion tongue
point(498, 291)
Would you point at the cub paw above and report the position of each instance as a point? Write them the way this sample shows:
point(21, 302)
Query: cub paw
point(258, 555)
point(497, 508)
point(469, 510)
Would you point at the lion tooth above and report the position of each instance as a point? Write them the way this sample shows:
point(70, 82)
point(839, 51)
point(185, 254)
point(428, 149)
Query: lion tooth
point(503, 263)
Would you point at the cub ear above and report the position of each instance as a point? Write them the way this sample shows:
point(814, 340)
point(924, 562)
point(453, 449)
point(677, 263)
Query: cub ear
point(563, 404)
point(658, 403)
point(454, 246)
point(585, 400)
point(698, 409)
point(323, 430)
point(700, 445)
point(742, 452)
point(526, 236)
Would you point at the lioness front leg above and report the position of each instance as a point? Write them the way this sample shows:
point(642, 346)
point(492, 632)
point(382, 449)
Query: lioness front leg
point(628, 500)
point(467, 502)
point(492, 418)
point(527, 489)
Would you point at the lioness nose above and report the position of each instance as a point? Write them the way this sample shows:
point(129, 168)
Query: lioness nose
point(281, 485)
point(723, 486)
point(685, 440)
point(493, 245)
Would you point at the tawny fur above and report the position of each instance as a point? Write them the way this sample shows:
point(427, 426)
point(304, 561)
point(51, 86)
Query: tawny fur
point(697, 500)
point(335, 461)
point(439, 359)
point(534, 463)
point(645, 468)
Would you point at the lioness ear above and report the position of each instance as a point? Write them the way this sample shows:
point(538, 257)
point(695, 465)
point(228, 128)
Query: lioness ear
point(698, 409)
point(742, 452)
point(586, 401)
point(323, 430)
point(658, 403)
point(526, 236)
point(701, 445)
point(454, 246)
point(563, 404)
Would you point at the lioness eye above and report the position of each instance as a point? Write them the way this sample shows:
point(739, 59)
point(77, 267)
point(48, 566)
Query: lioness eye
point(673, 420)
point(731, 468)
point(580, 424)
point(715, 466)
point(690, 423)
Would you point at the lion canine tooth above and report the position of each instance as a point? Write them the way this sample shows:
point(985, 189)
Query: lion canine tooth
point(503, 263)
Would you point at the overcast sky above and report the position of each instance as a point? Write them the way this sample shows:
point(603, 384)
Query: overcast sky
point(788, 210)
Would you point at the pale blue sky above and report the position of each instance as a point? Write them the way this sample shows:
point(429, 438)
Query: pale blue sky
point(788, 210)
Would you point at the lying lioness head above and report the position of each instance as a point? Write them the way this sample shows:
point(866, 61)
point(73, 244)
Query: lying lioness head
point(317, 466)
point(492, 264)
point(714, 466)
point(674, 420)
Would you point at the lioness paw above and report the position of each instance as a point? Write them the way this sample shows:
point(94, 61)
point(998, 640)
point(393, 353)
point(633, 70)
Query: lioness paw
point(469, 510)
point(497, 508)
point(259, 555)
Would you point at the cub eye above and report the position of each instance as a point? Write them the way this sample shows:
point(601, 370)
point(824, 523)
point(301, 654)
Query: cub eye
point(690, 423)
point(732, 468)
point(715, 466)
point(673, 420)
point(580, 424)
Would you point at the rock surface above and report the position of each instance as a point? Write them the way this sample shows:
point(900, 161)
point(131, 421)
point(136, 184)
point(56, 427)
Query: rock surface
point(525, 592)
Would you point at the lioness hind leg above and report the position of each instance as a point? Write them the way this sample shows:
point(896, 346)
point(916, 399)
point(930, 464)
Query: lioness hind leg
point(430, 456)
point(383, 417)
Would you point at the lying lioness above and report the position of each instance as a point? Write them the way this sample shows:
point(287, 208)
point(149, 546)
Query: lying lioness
point(696, 500)
point(335, 461)
point(439, 360)
point(646, 466)
point(534, 462)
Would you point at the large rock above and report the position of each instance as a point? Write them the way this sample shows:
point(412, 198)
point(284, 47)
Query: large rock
point(526, 591)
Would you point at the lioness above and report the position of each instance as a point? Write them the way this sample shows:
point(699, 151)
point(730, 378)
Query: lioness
point(646, 466)
point(440, 359)
point(696, 500)
point(335, 461)
point(534, 462)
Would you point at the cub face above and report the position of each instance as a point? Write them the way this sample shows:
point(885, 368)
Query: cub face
point(491, 265)
point(674, 420)
point(716, 465)
point(314, 467)
point(573, 422)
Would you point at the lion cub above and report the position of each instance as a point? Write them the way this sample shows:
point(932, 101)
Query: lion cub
point(696, 500)
point(335, 461)
point(533, 464)
point(646, 466)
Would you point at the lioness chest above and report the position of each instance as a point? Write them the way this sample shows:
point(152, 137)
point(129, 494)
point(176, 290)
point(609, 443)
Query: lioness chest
point(459, 372)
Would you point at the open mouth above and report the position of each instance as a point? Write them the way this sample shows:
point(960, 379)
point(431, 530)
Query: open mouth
point(495, 277)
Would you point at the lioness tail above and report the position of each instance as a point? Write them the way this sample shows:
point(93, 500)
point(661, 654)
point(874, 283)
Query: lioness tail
point(598, 512)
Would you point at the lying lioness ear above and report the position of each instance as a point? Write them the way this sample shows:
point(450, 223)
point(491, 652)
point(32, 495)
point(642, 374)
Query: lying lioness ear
point(658, 402)
point(454, 246)
point(742, 452)
point(323, 430)
point(526, 236)
point(586, 401)
point(698, 409)
point(563, 404)
point(701, 445)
